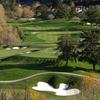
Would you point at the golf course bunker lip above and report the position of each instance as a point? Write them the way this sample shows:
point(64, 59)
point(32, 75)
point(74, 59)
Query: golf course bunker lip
point(61, 91)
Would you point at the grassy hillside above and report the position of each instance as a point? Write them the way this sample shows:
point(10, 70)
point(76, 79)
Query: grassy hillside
point(39, 38)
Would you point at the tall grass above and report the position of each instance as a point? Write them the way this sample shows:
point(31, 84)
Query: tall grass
point(90, 88)
point(26, 94)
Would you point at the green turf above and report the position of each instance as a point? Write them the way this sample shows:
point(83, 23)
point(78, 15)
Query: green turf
point(41, 36)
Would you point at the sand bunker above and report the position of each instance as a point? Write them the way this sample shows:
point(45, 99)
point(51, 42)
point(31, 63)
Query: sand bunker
point(24, 47)
point(42, 86)
point(16, 48)
point(8, 48)
point(28, 52)
point(34, 33)
point(88, 23)
point(61, 91)
point(30, 19)
point(68, 92)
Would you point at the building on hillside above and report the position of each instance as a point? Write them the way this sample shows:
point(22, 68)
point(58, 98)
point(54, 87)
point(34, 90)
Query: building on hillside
point(81, 9)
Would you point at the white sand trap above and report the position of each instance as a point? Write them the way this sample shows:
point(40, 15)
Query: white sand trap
point(63, 86)
point(43, 86)
point(8, 48)
point(69, 92)
point(28, 52)
point(24, 47)
point(34, 33)
point(30, 19)
point(88, 23)
point(61, 91)
point(16, 48)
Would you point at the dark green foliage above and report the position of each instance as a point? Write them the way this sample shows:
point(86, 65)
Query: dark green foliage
point(90, 47)
point(64, 10)
point(92, 15)
point(65, 47)
point(43, 10)
point(8, 4)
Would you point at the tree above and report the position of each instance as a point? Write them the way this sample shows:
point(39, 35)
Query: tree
point(43, 11)
point(19, 12)
point(90, 47)
point(65, 47)
point(64, 10)
point(92, 15)
point(27, 12)
point(8, 4)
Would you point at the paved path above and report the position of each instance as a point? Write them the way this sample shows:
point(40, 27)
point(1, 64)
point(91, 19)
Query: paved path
point(32, 76)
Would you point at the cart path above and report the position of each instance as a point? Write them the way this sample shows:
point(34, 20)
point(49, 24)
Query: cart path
point(38, 74)
point(35, 75)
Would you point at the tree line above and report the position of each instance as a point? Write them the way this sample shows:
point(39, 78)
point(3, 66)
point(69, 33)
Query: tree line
point(87, 49)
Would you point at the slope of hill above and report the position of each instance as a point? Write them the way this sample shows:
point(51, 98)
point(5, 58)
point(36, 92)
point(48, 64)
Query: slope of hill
point(8, 33)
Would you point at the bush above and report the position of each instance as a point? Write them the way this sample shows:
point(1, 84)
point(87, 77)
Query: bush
point(19, 12)
point(27, 12)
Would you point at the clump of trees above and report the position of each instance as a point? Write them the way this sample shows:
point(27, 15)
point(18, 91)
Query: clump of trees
point(9, 5)
point(92, 15)
point(87, 49)
point(24, 12)
point(27, 12)
point(64, 10)
point(90, 47)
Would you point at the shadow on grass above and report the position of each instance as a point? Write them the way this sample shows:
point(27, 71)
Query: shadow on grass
point(30, 63)
point(45, 67)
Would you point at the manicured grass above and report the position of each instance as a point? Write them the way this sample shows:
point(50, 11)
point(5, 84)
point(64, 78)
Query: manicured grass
point(16, 73)
point(21, 66)
point(7, 53)
point(41, 36)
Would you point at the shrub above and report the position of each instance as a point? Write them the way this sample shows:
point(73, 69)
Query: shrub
point(19, 12)
point(27, 12)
